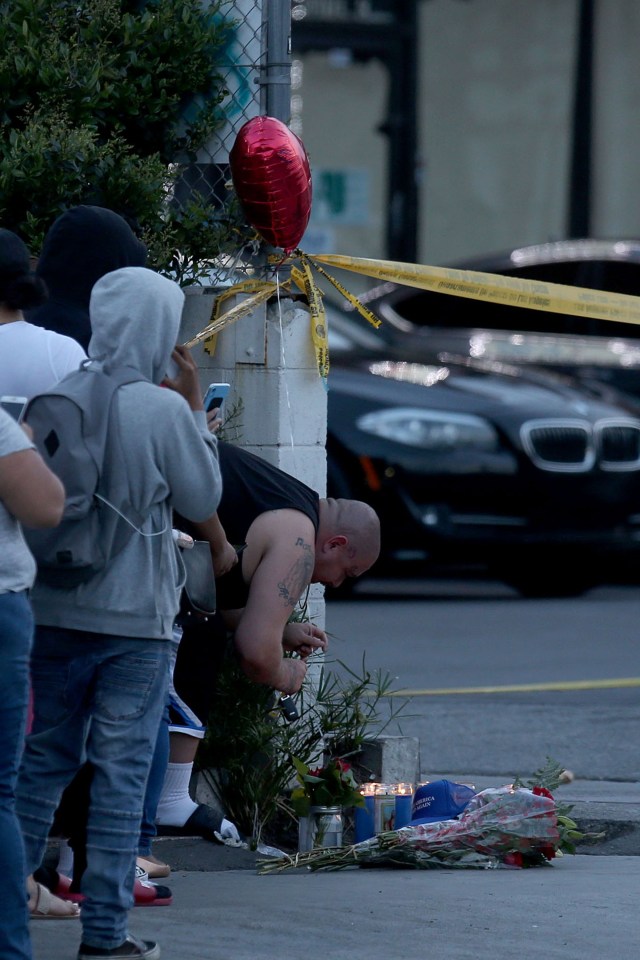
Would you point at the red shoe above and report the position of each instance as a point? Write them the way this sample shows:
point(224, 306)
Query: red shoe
point(145, 894)
point(62, 888)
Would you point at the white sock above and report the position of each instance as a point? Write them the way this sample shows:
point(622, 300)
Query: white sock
point(176, 806)
point(65, 859)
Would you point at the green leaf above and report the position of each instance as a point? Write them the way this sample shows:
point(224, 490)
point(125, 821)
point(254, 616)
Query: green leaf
point(301, 767)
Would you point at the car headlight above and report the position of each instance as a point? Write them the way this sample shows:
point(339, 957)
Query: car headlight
point(430, 429)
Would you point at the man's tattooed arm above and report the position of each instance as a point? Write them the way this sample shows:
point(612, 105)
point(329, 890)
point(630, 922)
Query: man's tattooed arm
point(299, 575)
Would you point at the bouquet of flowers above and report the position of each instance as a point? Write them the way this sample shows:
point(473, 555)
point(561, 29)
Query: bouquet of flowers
point(511, 826)
point(332, 785)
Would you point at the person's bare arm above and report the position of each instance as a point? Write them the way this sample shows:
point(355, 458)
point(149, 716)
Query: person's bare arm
point(223, 554)
point(282, 574)
point(29, 490)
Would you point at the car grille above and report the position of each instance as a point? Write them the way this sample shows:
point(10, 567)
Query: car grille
point(618, 445)
point(576, 446)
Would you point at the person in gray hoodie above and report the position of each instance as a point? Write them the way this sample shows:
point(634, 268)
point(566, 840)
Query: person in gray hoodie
point(100, 659)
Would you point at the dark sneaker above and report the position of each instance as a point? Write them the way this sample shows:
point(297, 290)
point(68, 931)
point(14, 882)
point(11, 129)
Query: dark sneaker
point(131, 949)
point(204, 822)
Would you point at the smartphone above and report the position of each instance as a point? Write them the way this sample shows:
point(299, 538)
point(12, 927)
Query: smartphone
point(215, 396)
point(14, 406)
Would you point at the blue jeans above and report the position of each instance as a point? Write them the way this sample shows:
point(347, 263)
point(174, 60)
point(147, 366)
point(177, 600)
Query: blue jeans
point(16, 632)
point(159, 763)
point(96, 697)
point(155, 784)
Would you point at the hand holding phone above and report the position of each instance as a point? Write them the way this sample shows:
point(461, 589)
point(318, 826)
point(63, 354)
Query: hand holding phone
point(14, 406)
point(215, 396)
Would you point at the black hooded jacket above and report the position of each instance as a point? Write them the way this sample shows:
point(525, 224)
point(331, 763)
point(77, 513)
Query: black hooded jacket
point(80, 247)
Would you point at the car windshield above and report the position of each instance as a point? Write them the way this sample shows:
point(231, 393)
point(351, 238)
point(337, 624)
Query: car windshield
point(503, 332)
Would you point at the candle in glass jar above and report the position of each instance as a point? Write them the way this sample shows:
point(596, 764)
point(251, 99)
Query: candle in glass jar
point(363, 823)
point(385, 808)
point(369, 789)
point(403, 805)
point(404, 788)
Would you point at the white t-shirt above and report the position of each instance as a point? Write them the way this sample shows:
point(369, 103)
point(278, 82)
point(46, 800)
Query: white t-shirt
point(17, 566)
point(33, 359)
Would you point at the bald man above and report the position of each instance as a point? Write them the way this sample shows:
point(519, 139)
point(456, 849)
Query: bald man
point(272, 537)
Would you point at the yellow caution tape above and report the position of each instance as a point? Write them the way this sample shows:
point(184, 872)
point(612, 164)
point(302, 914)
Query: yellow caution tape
point(209, 345)
point(260, 290)
point(304, 279)
point(514, 291)
point(263, 290)
point(564, 685)
point(353, 300)
point(473, 284)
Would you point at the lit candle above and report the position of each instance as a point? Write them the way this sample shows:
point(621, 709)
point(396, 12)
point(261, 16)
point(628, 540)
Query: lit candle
point(403, 802)
point(385, 812)
point(369, 789)
point(364, 819)
point(404, 788)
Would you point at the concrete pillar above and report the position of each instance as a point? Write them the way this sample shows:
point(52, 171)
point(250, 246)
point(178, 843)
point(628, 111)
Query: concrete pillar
point(268, 359)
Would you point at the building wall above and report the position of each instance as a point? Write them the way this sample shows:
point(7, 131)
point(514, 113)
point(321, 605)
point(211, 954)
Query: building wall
point(616, 201)
point(496, 81)
point(343, 105)
point(494, 123)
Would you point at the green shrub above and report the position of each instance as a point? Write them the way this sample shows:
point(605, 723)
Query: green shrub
point(248, 752)
point(51, 165)
point(102, 100)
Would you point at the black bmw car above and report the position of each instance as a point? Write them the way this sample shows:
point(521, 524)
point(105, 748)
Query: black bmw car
point(471, 455)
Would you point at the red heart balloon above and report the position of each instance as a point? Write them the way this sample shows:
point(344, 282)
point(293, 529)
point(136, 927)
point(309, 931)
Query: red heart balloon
point(271, 176)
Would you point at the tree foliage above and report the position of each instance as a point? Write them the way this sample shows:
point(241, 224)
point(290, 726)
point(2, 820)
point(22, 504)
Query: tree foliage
point(100, 102)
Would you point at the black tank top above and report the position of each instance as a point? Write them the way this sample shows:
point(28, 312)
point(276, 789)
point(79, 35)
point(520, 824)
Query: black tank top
point(251, 486)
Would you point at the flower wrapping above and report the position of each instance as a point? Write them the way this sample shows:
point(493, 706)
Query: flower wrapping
point(503, 826)
point(496, 821)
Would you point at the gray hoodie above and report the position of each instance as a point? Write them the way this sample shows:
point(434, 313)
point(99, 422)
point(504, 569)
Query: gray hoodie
point(169, 460)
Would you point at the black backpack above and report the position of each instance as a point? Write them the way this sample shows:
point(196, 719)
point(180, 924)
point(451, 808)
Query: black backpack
point(73, 432)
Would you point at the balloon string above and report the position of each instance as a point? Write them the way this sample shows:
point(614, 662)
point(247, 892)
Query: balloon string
point(284, 365)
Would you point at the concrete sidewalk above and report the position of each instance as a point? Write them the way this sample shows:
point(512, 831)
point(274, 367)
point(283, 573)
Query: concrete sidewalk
point(579, 908)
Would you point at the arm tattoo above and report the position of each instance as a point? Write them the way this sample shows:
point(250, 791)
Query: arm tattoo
point(299, 575)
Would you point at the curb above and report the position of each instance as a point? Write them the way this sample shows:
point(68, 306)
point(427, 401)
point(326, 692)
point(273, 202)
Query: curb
point(620, 838)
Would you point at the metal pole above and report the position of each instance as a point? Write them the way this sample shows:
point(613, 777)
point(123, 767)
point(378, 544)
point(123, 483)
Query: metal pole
point(401, 125)
point(579, 219)
point(276, 71)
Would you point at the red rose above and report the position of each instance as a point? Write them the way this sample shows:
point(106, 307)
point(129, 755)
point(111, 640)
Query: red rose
point(542, 792)
point(548, 851)
point(343, 765)
point(513, 859)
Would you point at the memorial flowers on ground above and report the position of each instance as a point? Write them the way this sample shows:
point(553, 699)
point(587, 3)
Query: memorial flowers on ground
point(508, 826)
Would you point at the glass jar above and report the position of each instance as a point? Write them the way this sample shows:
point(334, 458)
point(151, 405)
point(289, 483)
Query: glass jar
point(322, 828)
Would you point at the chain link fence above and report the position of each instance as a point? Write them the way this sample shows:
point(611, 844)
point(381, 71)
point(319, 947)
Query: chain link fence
point(255, 66)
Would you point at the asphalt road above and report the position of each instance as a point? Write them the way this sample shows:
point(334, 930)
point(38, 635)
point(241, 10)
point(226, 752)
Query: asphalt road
point(499, 683)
